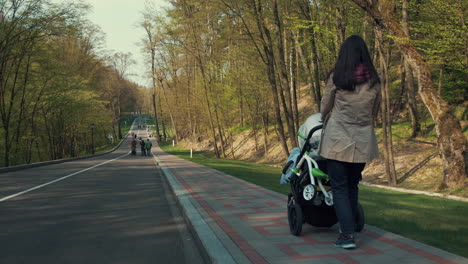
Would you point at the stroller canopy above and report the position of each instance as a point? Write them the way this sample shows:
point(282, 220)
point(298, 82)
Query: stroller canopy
point(311, 122)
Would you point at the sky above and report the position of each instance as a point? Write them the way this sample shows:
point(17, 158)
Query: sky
point(118, 19)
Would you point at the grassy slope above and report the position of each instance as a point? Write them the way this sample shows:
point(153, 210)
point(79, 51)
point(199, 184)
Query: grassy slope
point(434, 221)
point(408, 156)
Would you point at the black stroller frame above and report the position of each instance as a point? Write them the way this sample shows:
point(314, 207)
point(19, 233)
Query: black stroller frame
point(311, 198)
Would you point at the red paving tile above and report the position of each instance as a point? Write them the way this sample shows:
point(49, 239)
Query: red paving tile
point(255, 219)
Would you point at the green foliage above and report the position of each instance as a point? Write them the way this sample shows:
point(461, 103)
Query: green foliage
point(55, 85)
point(454, 88)
point(440, 32)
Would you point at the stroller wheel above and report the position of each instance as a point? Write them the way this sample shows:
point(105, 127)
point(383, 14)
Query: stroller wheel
point(329, 200)
point(360, 220)
point(309, 192)
point(295, 219)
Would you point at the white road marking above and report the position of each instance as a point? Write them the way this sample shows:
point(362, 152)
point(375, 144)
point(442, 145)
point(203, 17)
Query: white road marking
point(59, 179)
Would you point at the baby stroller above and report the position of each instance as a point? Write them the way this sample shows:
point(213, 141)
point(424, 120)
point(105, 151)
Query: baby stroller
point(311, 198)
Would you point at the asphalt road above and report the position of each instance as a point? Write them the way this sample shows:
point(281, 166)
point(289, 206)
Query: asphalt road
point(121, 211)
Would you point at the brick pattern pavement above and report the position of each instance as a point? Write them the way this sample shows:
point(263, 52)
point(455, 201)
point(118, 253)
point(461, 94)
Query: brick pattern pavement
point(255, 219)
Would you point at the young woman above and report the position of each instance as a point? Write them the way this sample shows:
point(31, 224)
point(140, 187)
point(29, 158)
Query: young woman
point(349, 106)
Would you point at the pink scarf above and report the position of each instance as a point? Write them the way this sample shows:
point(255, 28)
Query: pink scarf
point(362, 74)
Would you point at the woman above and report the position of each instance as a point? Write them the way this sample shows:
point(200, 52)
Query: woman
point(349, 106)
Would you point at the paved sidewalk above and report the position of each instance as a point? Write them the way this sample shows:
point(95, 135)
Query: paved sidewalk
point(239, 222)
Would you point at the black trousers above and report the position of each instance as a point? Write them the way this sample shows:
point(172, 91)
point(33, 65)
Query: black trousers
point(344, 178)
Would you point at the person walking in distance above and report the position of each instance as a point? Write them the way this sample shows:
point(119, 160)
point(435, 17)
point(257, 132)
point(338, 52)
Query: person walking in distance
point(349, 105)
point(142, 146)
point(148, 146)
point(133, 146)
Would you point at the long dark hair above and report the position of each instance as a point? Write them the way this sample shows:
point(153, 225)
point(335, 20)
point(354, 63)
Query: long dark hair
point(354, 65)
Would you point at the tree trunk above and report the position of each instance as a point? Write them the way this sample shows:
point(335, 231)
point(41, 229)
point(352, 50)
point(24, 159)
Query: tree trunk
point(400, 103)
point(154, 96)
point(241, 104)
point(340, 27)
point(285, 93)
point(220, 131)
point(269, 60)
point(441, 75)
point(411, 94)
point(254, 130)
point(189, 104)
point(307, 14)
point(152, 50)
point(410, 82)
point(452, 144)
point(265, 132)
point(208, 106)
point(161, 119)
point(232, 145)
point(310, 83)
point(155, 114)
point(364, 28)
point(19, 149)
point(174, 126)
point(294, 63)
point(386, 117)
point(315, 67)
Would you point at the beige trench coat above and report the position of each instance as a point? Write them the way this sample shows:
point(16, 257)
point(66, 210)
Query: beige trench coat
point(348, 117)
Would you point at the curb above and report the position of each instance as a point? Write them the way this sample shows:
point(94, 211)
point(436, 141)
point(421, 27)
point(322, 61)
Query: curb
point(51, 162)
point(211, 245)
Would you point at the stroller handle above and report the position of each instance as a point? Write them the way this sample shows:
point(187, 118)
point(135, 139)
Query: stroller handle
point(307, 146)
point(312, 131)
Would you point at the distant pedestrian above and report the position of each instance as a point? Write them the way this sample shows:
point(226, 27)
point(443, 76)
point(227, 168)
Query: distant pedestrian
point(142, 145)
point(148, 146)
point(133, 145)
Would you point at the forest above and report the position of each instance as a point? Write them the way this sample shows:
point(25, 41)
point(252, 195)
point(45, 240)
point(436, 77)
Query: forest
point(61, 94)
point(224, 66)
point(220, 67)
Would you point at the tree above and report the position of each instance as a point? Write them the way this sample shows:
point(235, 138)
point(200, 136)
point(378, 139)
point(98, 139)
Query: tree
point(409, 78)
point(385, 106)
point(53, 83)
point(150, 46)
point(121, 63)
point(23, 24)
point(452, 144)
